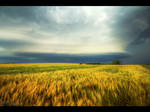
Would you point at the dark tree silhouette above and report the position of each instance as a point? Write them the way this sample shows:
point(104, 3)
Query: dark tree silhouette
point(116, 62)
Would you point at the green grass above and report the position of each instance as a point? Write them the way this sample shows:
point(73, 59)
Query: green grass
point(111, 70)
point(36, 69)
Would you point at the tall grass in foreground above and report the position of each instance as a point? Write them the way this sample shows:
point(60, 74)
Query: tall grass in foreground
point(103, 85)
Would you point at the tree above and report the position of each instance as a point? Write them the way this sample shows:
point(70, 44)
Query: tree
point(116, 62)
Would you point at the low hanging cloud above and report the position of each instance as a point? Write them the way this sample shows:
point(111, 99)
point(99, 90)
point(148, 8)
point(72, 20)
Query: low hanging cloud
point(27, 57)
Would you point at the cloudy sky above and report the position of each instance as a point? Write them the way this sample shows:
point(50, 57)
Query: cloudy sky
point(75, 34)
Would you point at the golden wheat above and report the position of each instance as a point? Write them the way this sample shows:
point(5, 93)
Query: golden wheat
point(101, 85)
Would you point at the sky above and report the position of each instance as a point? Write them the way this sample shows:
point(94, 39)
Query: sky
point(75, 34)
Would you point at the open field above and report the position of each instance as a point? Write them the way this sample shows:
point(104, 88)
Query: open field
point(60, 84)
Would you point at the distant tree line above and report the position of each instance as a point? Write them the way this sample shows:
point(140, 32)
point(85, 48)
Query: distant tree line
point(94, 63)
point(114, 62)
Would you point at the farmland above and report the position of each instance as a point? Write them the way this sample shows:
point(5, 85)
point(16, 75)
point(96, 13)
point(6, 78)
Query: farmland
point(68, 84)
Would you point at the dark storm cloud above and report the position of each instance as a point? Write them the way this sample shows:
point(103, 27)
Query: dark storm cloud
point(65, 58)
point(26, 16)
point(133, 27)
point(129, 22)
point(15, 12)
point(11, 59)
point(20, 14)
point(143, 16)
point(17, 15)
point(142, 37)
point(140, 28)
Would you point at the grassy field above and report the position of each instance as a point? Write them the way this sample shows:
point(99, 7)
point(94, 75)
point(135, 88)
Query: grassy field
point(64, 84)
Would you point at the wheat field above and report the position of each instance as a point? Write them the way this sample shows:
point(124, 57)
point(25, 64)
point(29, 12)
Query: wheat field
point(67, 84)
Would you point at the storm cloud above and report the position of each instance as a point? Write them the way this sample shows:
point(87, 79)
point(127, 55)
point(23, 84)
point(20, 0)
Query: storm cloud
point(74, 34)
point(63, 58)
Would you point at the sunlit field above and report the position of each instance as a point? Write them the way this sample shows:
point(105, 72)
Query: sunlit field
point(64, 84)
